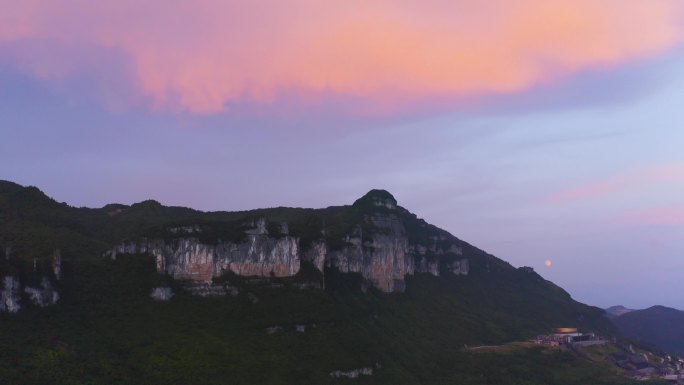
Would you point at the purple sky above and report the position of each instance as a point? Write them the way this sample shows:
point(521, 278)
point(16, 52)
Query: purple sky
point(580, 163)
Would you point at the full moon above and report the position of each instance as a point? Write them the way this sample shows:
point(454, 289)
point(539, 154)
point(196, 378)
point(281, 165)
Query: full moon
point(547, 263)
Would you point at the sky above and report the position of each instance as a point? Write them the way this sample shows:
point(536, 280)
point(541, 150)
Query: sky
point(537, 130)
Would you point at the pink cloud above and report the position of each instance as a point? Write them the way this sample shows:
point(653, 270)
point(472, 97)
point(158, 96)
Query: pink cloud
point(591, 190)
point(639, 179)
point(203, 55)
point(672, 215)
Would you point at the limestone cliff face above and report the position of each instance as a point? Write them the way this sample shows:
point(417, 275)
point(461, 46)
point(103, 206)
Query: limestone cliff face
point(161, 293)
point(316, 254)
point(57, 264)
point(10, 295)
point(187, 258)
point(378, 247)
point(382, 257)
point(12, 290)
point(385, 256)
point(44, 295)
point(13, 293)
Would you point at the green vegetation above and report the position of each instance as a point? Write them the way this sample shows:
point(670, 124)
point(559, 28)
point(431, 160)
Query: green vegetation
point(106, 329)
point(114, 333)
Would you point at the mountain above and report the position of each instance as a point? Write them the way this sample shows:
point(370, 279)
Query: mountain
point(153, 294)
point(616, 311)
point(658, 326)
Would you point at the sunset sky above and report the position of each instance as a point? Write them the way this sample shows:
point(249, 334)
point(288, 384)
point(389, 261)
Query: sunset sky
point(535, 129)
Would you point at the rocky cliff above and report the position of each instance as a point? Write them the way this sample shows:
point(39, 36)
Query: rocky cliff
point(384, 257)
point(187, 258)
point(382, 250)
point(376, 245)
point(14, 293)
point(10, 295)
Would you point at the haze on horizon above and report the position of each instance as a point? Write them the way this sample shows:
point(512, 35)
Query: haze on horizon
point(540, 131)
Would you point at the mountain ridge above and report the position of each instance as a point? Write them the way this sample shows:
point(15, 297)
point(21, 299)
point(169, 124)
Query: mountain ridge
point(430, 248)
point(359, 303)
point(658, 326)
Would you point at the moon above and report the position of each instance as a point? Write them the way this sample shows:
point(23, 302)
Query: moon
point(547, 263)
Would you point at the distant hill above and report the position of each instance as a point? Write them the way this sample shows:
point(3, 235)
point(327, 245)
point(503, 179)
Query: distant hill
point(616, 311)
point(659, 326)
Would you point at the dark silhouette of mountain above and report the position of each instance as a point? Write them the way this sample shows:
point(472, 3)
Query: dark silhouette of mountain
point(658, 326)
point(279, 295)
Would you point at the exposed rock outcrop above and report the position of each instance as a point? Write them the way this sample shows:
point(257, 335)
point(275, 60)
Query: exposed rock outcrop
point(44, 295)
point(187, 258)
point(381, 257)
point(203, 289)
point(10, 295)
point(384, 257)
point(459, 267)
point(354, 373)
point(57, 264)
point(378, 247)
point(162, 293)
point(377, 198)
point(14, 290)
point(316, 254)
point(253, 298)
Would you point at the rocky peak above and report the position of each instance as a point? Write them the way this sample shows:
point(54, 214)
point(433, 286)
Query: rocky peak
point(377, 198)
point(147, 204)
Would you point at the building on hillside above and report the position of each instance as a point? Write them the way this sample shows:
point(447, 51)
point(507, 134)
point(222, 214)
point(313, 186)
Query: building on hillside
point(566, 334)
point(558, 336)
point(545, 340)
